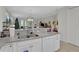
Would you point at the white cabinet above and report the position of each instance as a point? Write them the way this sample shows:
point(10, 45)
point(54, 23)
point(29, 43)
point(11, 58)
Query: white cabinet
point(56, 42)
point(7, 48)
point(29, 46)
point(46, 44)
point(23, 46)
point(36, 45)
point(51, 43)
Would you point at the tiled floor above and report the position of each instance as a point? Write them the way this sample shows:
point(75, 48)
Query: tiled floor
point(67, 47)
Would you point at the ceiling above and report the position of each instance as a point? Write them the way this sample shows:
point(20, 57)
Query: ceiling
point(34, 11)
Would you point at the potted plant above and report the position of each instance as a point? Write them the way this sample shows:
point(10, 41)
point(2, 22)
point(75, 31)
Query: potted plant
point(16, 24)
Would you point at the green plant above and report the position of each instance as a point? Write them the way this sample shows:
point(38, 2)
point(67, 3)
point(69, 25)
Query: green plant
point(16, 24)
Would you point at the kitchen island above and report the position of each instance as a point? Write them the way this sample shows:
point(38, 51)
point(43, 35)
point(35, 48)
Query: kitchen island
point(48, 42)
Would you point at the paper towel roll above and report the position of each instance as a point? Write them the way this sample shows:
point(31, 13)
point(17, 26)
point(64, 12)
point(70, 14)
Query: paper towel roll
point(12, 33)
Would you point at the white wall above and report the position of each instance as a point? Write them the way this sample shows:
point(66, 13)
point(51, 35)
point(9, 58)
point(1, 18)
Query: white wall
point(3, 13)
point(69, 25)
point(62, 18)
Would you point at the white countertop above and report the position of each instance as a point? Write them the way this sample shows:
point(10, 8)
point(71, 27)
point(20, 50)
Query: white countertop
point(32, 38)
point(6, 40)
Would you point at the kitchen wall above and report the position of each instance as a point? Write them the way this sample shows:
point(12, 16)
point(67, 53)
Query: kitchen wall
point(69, 25)
point(62, 18)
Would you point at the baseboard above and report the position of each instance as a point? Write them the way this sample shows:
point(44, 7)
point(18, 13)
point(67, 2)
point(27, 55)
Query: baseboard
point(71, 43)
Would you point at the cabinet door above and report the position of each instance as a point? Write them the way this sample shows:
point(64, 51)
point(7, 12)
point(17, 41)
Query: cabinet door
point(57, 42)
point(36, 45)
point(7, 48)
point(50, 44)
point(23, 46)
point(29, 46)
